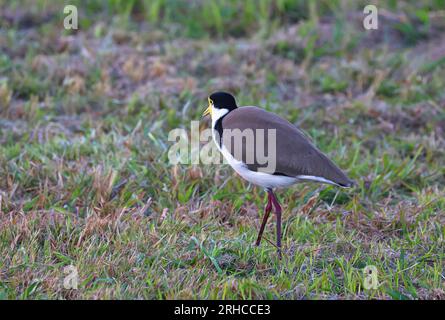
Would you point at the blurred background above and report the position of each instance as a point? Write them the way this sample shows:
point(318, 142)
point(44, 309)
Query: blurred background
point(84, 120)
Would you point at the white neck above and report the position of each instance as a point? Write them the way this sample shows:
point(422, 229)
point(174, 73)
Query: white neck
point(218, 114)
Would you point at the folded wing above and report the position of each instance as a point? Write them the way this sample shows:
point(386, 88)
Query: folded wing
point(295, 155)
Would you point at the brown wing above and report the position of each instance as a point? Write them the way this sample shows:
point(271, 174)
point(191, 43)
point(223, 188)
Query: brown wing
point(295, 155)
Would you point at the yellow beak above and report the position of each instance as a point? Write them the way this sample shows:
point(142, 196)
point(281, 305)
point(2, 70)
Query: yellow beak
point(207, 111)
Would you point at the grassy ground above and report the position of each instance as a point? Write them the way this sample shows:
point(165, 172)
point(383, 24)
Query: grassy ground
point(84, 173)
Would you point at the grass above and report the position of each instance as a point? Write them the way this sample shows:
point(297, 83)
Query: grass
point(84, 172)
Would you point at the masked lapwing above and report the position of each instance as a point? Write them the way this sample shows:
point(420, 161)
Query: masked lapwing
point(247, 136)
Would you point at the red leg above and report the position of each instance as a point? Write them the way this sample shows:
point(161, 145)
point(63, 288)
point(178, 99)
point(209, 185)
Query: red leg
point(278, 213)
point(267, 210)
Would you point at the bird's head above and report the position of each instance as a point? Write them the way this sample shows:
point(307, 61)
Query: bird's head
point(220, 103)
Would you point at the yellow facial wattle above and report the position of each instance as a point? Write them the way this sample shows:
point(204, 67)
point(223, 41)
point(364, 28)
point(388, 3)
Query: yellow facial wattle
point(209, 108)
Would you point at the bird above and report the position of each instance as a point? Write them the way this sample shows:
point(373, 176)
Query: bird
point(296, 159)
